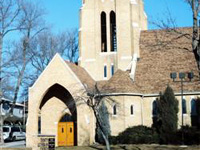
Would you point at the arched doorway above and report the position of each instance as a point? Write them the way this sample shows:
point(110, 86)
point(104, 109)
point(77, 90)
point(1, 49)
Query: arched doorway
point(66, 130)
point(59, 92)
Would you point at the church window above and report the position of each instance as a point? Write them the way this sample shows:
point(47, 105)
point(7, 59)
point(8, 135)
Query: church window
point(112, 70)
point(113, 34)
point(155, 108)
point(114, 109)
point(39, 125)
point(132, 110)
point(103, 33)
point(105, 71)
point(184, 108)
point(193, 107)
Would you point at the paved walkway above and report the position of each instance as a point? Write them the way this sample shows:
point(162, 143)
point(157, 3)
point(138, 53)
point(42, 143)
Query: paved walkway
point(15, 144)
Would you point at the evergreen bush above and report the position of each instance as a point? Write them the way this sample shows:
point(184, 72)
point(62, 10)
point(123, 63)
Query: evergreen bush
point(167, 119)
point(136, 135)
point(191, 135)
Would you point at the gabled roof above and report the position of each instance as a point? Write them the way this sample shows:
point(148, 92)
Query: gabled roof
point(161, 52)
point(83, 75)
point(120, 83)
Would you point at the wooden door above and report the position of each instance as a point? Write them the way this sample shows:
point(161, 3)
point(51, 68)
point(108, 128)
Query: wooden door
point(70, 134)
point(66, 134)
point(62, 134)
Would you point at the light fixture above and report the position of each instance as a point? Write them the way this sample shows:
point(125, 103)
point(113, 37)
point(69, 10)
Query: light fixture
point(181, 75)
point(173, 75)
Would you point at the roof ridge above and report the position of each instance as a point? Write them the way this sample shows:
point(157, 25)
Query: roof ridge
point(153, 30)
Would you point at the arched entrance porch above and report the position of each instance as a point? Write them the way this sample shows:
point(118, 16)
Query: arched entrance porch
point(57, 105)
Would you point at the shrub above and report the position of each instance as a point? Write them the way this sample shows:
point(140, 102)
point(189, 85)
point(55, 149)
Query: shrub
point(167, 116)
point(114, 140)
point(136, 135)
point(191, 135)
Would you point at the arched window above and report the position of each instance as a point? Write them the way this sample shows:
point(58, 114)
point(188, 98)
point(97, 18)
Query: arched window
point(114, 109)
point(184, 108)
point(103, 33)
point(132, 110)
point(154, 108)
point(193, 107)
point(113, 33)
point(112, 70)
point(39, 124)
point(105, 71)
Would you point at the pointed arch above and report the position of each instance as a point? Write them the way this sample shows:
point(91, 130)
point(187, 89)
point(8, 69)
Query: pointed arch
point(66, 118)
point(103, 32)
point(193, 107)
point(154, 108)
point(193, 110)
point(114, 109)
point(184, 106)
point(113, 32)
point(63, 95)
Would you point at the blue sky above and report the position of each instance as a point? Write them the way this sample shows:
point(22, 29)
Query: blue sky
point(64, 14)
point(179, 10)
point(61, 14)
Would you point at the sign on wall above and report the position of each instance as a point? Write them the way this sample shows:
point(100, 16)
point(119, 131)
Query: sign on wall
point(46, 142)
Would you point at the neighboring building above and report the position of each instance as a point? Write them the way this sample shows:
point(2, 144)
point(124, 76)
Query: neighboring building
point(18, 112)
point(125, 60)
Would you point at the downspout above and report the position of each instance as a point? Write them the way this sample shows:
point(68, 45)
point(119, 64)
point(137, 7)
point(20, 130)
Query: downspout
point(124, 112)
point(142, 118)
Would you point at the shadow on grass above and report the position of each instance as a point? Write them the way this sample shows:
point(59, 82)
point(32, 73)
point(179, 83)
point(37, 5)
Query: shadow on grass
point(133, 147)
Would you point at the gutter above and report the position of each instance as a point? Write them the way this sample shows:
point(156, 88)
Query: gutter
point(143, 95)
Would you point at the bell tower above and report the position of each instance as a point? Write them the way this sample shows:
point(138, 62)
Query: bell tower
point(109, 35)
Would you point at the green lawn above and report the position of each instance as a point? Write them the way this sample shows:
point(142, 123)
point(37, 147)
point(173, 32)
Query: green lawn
point(134, 147)
point(121, 147)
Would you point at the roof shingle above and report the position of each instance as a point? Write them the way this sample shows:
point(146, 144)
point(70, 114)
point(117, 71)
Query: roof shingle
point(161, 52)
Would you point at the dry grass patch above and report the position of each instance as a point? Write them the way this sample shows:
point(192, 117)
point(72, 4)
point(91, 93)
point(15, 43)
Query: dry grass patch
point(133, 147)
point(15, 148)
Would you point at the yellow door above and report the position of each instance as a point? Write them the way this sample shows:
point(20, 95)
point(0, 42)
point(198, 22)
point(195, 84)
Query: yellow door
point(62, 134)
point(66, 134)
point(70, 134)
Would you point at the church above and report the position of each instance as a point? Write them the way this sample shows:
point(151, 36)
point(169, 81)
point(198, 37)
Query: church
point(126, 61)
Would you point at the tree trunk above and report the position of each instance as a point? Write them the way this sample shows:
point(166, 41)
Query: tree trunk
point(1, 129)
point(1, 95)
point(99, 124)
point(1, 47)
point(195, 38)
point(21, 73)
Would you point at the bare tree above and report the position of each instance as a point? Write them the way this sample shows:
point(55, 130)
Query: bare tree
point(95, 99)
point(195, 6)
point(9, 13)
point(171, 33)
point(29, 21)
point(48, 44)
point(18, 58)
point(32, 24)
point(72, 45)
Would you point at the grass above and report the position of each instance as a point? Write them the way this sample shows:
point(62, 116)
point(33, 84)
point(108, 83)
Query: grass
point(15, 148)
point(134, 147)
point(121, 147)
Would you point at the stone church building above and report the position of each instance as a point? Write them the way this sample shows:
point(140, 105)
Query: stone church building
point(125, 60)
